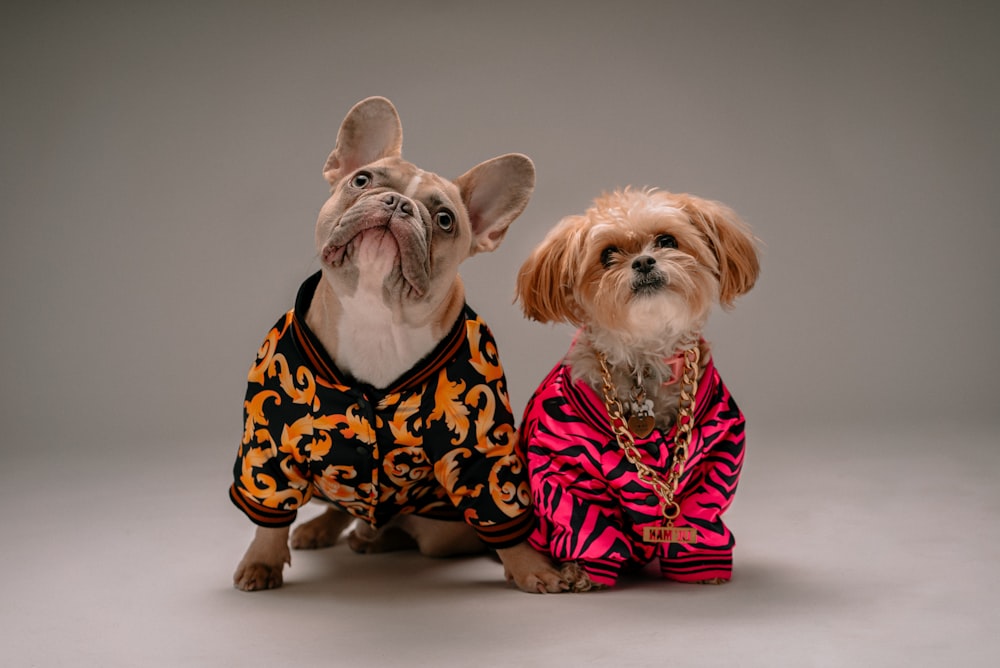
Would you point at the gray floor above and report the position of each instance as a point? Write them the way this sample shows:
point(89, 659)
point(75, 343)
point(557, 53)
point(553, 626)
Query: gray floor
point(874, 548)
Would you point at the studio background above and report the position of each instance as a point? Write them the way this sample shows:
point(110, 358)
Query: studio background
point(161, 179)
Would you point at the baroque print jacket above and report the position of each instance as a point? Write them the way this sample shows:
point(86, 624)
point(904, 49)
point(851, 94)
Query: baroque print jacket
point(440, 442)
point(590, 503)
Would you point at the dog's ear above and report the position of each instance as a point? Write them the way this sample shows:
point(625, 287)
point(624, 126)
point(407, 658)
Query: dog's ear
point(370, 131)
point(732, 242)
point(495, 192)
point(547, 279)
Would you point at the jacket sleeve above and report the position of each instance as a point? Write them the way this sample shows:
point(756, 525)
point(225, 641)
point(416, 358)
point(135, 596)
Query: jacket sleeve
point(270, 475)
point(267, 486)
point(475, 447)
point(579, 517)
point(710, 483)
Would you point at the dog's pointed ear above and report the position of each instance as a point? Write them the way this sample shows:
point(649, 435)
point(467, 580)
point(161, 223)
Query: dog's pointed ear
point(732, 242)
point(547, 279)
point(495, 192)
point(370, 131)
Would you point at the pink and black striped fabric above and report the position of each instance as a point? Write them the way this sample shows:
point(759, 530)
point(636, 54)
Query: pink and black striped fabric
point(590, 503)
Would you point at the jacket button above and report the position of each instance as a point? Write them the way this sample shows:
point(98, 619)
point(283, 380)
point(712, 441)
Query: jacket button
point(362, 450)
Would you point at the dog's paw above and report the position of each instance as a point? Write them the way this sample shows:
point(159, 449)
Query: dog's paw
point(261, 565)
point(321, 531)
point(711, 581)
point(254, 577)
point(577, 579)
point(530, 570)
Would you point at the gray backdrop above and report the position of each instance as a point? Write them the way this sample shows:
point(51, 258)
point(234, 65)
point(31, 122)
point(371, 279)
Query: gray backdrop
point(161, 178)
point(160, 182)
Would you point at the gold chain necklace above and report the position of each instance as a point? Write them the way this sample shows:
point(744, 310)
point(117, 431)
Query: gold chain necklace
point(665, 489)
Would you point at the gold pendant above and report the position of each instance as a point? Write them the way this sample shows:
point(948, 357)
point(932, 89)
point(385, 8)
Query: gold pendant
point(641, 421)
point(670, 534)
point(641, 425)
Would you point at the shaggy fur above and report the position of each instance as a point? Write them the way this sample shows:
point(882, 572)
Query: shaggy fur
point(638, 273)
point(584, 273)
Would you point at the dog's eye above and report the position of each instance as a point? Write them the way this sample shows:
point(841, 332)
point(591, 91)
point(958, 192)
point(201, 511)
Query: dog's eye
point(361, 180)
point(666, 241)
point(607, 255)
point(445, 220)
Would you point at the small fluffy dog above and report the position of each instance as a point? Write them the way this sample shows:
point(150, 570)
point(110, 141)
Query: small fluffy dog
point(634, 444)
point(381, 392)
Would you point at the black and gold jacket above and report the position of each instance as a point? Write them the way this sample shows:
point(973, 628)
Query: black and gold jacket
point(440, 442)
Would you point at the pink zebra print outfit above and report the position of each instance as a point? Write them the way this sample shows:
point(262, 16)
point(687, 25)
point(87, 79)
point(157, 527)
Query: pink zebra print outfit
point(590, 503)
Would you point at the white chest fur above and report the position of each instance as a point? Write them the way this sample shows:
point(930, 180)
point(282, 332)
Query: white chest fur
point(372, 346)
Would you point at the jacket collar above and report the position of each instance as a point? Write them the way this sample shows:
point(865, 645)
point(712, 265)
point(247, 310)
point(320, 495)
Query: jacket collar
point(326, 370)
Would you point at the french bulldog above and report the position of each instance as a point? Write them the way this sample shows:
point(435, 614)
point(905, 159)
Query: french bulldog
point(380, 392)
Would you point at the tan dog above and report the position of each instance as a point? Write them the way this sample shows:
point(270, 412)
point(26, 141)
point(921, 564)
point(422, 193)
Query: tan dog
point(639, 274)
point(616, 483)
point(381, 392)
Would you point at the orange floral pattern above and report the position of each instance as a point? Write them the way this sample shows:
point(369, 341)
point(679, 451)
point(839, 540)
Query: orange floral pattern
point(440, 442)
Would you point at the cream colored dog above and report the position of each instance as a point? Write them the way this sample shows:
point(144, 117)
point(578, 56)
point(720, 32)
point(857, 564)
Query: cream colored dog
point(634, 443)
point(380, 393)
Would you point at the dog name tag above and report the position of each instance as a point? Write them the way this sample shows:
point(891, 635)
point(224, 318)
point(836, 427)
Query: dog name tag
point(641, 422)
point(670, 534)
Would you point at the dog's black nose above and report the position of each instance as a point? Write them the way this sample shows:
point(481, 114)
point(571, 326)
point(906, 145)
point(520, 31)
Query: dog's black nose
point(644, 264)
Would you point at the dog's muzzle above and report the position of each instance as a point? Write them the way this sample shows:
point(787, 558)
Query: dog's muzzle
point(401, 217)
point(647, 277)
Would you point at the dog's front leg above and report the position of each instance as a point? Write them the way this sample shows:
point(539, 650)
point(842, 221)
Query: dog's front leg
point(530, 570)
point(264, 560)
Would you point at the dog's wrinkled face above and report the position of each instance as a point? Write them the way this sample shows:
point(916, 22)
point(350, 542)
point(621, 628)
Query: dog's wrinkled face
point(642, 265)
point(397, 233)
point(392, 225)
